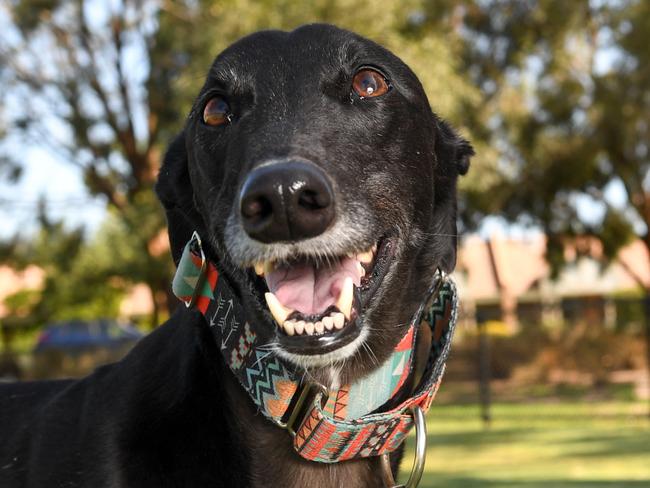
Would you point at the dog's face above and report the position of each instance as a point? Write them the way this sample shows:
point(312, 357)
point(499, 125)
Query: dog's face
point(315, 169)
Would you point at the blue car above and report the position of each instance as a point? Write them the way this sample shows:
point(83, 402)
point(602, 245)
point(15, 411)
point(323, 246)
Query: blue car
point(79, 334)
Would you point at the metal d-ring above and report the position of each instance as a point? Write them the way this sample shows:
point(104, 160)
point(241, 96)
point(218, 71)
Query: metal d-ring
point(420, 454)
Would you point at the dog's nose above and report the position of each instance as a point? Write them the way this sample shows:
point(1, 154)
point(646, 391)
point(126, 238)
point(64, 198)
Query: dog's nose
point(287, 201)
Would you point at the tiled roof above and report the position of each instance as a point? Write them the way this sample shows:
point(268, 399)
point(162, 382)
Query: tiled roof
point(518, 267)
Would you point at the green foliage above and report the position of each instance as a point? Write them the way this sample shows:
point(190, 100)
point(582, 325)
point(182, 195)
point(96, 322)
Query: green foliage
point(77, 284)
point(87, 278)
point(615, 231)
point(567, 85)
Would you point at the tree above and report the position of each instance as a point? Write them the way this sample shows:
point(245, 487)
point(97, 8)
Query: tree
point(98, 87)
point(567, 87)
point(106, 87)
point(567, 95)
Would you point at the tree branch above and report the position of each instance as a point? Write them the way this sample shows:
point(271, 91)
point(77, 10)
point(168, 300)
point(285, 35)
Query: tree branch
point(129, 136)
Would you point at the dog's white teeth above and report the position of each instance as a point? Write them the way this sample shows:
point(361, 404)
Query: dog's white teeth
point(279, 311)
point(259, 269)
point(289, 327)
point(328, 322)
point(339, 320)
point(299, 327)
point(374, 248)
point(366, 257)
point(344, 302)
point(361, 270)
point(309, 328)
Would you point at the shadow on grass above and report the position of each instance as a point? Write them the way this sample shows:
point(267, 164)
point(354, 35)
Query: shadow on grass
point(613, 445)
point(433, 481)
point(481, 437)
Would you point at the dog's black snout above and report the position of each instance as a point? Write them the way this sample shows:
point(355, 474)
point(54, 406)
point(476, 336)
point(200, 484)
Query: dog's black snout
point(287, 201)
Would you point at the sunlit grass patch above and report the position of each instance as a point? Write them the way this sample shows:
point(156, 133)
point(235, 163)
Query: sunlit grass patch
point(532, 445)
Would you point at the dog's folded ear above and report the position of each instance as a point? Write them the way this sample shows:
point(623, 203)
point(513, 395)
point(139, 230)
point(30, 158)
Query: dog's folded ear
point(175, 192)
point(451, 147)
point(453, 155)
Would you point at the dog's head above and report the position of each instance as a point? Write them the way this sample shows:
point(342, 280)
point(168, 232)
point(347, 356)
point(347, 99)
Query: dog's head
point(325, 187)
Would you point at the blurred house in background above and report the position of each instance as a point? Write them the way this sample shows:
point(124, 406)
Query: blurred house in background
point(138, 303)
point(12, 282)
point(509, 280)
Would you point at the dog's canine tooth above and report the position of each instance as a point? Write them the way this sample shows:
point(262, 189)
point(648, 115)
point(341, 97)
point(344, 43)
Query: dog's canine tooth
point(366, 257)
point(309, 328)
point(361, 269)
point(279, 311)
point(288, 327)
point(344, 302)
point(319, 327)
point(328, 322)
point(259, 268)
point(339, 320)
point(299, 327)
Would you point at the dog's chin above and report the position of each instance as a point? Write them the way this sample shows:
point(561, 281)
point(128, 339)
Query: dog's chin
point(318, 306)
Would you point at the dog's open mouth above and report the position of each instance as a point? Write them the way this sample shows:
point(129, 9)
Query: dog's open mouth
point(316, 303)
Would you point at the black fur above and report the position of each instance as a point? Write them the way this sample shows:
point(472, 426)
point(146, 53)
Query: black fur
point(170, 414)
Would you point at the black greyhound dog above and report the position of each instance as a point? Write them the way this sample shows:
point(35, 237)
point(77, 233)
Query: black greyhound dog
point(317, 176)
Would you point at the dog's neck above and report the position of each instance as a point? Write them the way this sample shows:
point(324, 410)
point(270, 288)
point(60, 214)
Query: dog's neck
point(274, 462)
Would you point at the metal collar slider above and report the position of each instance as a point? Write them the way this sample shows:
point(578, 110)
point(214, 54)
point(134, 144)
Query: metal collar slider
point(308, 393)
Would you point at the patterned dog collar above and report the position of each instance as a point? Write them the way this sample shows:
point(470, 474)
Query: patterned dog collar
point(327, 426)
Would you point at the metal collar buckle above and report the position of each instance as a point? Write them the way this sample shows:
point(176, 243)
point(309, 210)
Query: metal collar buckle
point(197, 249)
point(420, 454)
point(308, 391)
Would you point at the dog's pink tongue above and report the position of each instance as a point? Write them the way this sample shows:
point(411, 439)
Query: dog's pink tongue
point(308, 289)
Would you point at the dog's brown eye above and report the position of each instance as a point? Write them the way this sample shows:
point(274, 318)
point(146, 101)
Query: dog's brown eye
point(369, 83)
point(216, 112)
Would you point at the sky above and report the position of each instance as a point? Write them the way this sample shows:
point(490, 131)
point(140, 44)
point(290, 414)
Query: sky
point(45, 174)
point(59, 183)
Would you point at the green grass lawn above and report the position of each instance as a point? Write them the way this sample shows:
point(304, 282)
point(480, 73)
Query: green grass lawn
point(535, 445)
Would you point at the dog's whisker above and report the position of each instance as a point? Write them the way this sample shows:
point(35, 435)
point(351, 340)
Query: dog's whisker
point(371, 354)
point(438, 234)
point(262, 358)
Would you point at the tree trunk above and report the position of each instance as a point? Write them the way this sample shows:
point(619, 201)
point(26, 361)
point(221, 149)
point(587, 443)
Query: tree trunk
point(484, 373)
point(163, 300)
point(646, 307)
point(646, 321)
point(170, 301)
